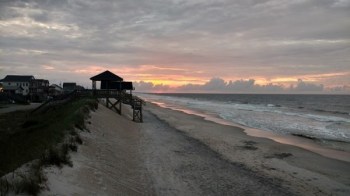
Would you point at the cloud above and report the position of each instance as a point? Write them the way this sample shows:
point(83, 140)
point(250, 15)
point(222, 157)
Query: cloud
point(215, 84)
point(218, 85)
point(150, 87)
point(48, 67)
point(341, 3)
point(307, 87)
point(230, 39)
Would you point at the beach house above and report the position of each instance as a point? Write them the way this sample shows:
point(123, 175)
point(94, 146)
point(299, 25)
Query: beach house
point(39, 90)
point(69, 87)
point(17, 84)
point(55, 90)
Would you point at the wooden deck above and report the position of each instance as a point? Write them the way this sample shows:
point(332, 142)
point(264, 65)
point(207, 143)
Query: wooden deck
point(121, 97)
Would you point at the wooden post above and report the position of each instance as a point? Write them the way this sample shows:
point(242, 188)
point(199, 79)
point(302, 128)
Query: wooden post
point(137, 110)
point(120, 103)
point(93, 88)
point(94, 85)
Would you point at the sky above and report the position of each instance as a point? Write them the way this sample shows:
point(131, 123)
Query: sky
point(234, 46)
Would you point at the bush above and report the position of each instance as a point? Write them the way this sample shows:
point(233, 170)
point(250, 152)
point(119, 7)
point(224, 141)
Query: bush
point(57, 156)
point(78, 139)
point(29, 182)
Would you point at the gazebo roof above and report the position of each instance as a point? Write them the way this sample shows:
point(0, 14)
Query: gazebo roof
point(106, 76)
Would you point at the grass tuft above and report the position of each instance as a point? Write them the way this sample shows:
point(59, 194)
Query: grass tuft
point(57, 156)
point(78, 139)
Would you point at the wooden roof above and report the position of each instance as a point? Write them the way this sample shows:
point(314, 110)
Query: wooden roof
point(106, 76)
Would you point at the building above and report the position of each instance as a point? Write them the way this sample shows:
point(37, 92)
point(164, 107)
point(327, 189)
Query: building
point(25, 87)
point(39, 90)
point(69, 87)
point(108, 80)
point(55, 90)
point(17, 84)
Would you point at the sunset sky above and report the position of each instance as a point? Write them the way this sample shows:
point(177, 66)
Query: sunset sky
point(182, 45)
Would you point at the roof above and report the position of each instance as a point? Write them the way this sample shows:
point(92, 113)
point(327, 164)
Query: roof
point(55, 86)
point(106, 76)
point(17, 78)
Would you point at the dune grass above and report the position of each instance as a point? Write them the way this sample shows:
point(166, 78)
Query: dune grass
point(25, 136)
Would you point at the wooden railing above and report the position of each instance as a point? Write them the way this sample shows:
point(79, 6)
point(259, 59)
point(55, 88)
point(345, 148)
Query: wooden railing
point(135, 102)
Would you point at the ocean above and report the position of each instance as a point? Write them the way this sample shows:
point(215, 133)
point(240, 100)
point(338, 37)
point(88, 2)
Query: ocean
point(322, 117)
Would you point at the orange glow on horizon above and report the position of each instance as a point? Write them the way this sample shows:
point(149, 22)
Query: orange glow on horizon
point(176, 76)
point(173, 83)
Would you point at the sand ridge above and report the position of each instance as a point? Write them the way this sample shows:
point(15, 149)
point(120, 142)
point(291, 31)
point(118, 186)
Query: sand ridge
point(108, 162)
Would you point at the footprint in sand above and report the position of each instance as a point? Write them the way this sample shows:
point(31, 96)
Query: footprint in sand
point(98, 176)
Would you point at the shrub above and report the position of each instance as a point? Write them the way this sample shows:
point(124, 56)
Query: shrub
point(57, 156)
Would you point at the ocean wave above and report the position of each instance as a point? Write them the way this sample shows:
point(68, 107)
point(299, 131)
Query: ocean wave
point(268, 117)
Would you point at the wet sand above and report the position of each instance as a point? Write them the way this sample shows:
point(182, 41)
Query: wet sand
point(173, 153)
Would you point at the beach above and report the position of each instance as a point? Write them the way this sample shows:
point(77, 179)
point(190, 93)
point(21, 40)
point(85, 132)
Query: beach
point(174, 153)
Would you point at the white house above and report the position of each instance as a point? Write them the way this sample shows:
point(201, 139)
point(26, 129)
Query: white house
point(17, 84)
point(55, 90)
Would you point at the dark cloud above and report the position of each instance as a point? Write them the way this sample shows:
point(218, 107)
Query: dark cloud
point(225, 38)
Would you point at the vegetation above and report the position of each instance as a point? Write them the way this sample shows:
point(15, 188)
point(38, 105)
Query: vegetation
point(46, 135)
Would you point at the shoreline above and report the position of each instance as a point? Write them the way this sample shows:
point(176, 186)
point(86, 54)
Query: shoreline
point(339, 152)
point(304, 171)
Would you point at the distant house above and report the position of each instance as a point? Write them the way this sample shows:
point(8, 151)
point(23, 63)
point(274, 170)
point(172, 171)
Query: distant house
point(78, 87)
point(39, 90)
point(69, 87)
point(17, 84)
point(55, 90)
point(39, 86)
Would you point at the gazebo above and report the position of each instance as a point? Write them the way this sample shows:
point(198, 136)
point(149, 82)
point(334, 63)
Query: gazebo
point(113, 86)
point(108, 80)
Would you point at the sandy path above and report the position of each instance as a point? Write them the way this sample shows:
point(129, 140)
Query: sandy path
point(181, 165)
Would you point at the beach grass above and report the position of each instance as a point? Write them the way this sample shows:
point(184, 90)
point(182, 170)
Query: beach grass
point(26, 136)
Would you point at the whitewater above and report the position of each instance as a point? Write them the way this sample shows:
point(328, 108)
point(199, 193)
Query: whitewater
point(321, 117)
